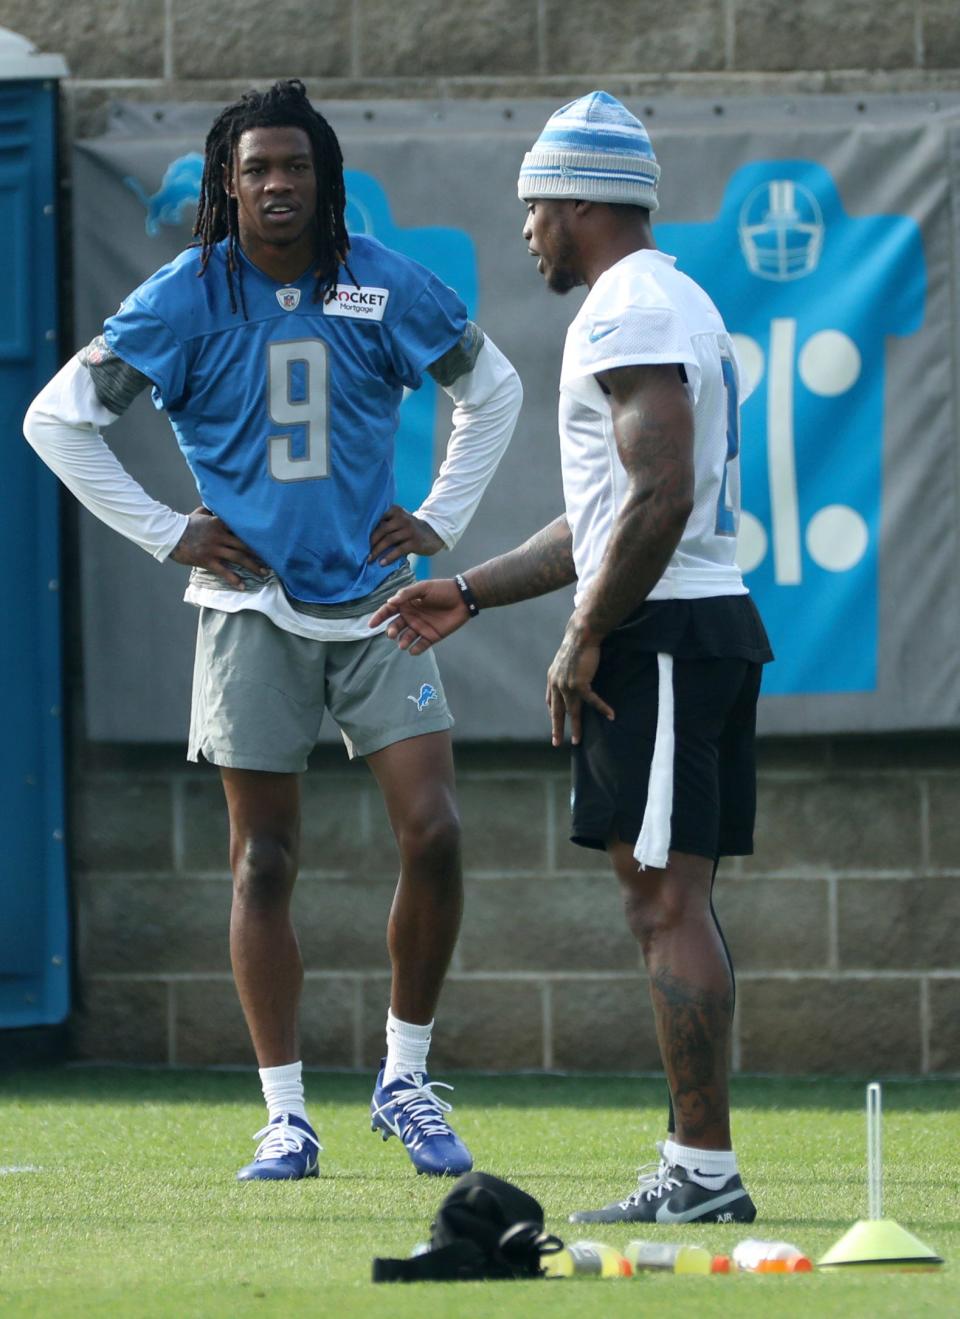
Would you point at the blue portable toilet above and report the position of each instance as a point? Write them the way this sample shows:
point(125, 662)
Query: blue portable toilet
point(34, 900)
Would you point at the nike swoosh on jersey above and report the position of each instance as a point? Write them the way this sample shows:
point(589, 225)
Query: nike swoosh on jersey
point(594, 335)
point(666, 1215)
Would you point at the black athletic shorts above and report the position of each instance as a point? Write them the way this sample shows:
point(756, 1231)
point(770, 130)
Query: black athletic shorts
point(696, 770)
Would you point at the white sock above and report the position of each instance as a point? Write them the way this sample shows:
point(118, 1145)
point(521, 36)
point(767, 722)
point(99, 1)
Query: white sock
point(407, 1047)
point(283, 1090)
point(704, 1166)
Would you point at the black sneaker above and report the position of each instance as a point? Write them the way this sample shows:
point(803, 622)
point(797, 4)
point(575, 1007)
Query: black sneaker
point(674, 1197)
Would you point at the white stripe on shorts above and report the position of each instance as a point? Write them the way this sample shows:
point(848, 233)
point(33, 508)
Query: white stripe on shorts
point(654, 841)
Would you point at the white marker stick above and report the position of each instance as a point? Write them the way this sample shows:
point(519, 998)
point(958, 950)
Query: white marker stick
point(874, 1153)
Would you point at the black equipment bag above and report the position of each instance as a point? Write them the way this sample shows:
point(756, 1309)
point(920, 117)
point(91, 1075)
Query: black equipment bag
point(485, 1228)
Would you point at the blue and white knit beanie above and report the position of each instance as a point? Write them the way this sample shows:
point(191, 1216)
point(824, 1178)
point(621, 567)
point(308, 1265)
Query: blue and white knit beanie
point(593, 149)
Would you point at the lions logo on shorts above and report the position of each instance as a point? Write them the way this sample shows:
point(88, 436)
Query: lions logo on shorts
point(424, 696)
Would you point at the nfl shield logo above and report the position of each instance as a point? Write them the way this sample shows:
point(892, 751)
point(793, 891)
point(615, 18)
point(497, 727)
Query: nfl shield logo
point(289, 299)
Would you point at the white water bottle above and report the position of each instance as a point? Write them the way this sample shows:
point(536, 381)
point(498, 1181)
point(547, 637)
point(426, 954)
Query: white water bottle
point(756, 1256)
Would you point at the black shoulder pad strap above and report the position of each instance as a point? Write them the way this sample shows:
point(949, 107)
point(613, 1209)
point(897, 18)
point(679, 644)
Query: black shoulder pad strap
point(460, 359)
point(117, 382)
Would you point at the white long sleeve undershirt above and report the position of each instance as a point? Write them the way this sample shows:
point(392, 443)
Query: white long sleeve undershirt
point(63, 424)
point(486, 406)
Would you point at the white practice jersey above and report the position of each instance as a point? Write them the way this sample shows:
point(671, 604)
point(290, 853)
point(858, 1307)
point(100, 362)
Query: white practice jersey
point(644, 310)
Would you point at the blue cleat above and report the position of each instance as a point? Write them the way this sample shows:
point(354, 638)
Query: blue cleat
point(287, 1152)
point(408, 1108)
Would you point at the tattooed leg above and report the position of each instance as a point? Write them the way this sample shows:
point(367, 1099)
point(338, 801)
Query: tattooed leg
point(669, 913)
point(671, 1118)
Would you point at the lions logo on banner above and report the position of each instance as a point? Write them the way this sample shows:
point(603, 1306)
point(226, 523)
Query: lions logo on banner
point(809, 294)
point(174, 201)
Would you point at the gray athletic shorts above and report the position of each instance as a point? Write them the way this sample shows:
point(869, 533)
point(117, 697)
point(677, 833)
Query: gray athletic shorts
point(259, 693)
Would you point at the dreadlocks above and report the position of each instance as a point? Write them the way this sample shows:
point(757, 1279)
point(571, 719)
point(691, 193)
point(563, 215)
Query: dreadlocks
point(285, 105)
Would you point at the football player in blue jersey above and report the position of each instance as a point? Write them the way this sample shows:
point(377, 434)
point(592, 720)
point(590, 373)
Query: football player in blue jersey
point(280, 347)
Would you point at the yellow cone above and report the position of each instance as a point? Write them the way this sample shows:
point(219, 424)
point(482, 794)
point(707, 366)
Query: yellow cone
point(880, 1244)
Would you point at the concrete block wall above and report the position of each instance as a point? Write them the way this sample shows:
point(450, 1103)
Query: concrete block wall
point(843, 925)
point(209, 49)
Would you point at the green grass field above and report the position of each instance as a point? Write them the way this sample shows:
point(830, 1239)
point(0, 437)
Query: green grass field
point(135, 1210)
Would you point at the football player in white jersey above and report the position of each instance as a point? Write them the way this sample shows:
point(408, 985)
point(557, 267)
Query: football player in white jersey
point(659, 667)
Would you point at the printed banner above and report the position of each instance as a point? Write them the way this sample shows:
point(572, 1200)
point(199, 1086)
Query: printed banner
point(812, 300)
point(821, 230)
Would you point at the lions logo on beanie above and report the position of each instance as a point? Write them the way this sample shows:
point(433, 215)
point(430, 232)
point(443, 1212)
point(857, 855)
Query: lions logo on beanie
point(593, 149)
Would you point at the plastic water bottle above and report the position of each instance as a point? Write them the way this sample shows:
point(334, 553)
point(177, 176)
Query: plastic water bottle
point(646, 1256)
point(755, 1256)
point(584, 1259)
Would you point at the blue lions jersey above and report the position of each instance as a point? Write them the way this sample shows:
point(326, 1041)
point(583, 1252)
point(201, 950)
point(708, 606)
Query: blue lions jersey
point(287, 417)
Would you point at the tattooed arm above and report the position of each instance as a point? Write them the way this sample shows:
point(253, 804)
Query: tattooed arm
point(541, 564)
point(420, 615)
point(653, 425)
